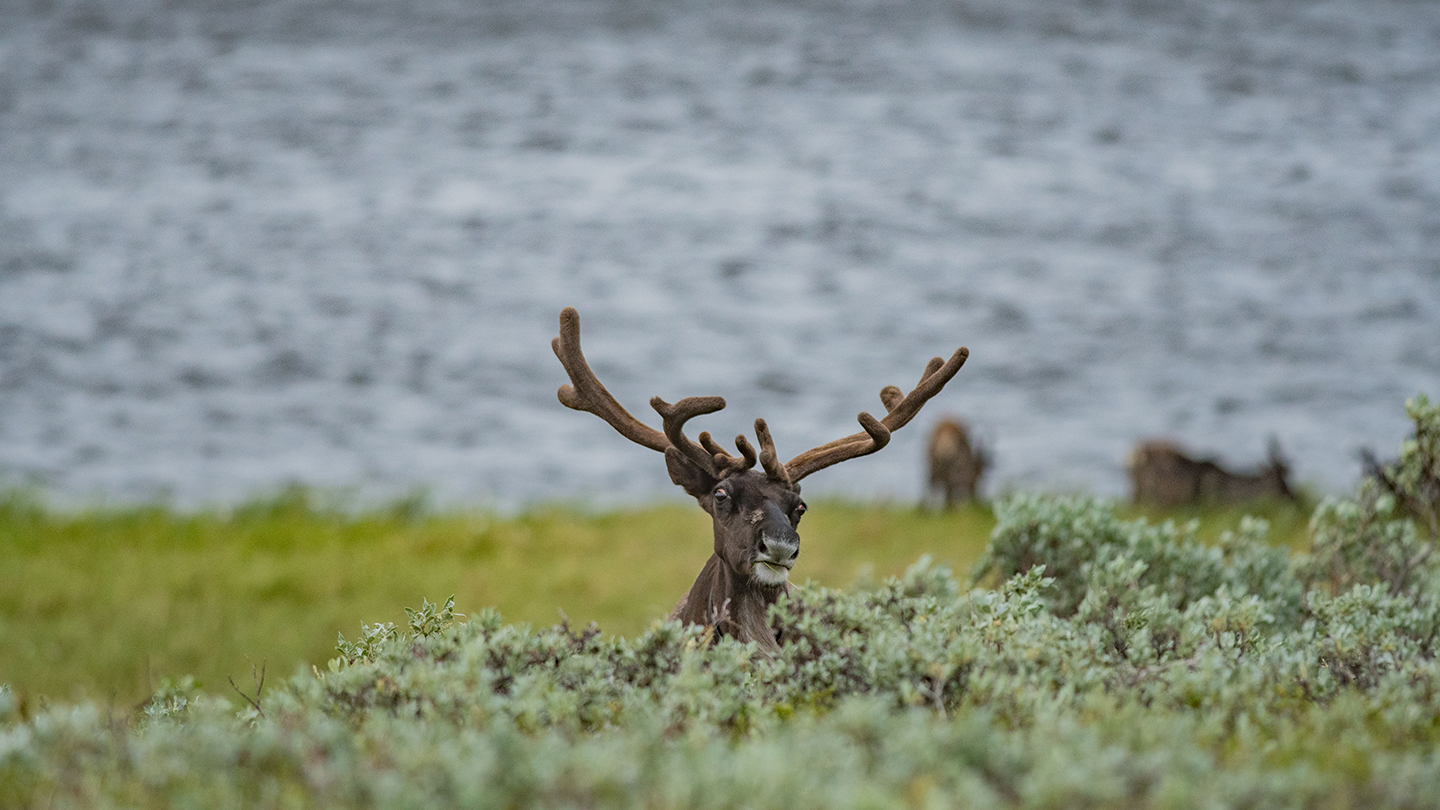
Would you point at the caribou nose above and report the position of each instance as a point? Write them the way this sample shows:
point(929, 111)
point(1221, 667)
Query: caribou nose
point(782, 550)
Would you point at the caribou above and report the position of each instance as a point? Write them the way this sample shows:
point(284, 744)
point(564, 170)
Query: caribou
point(1162, 475)
point(755, 514)
point(955, 462)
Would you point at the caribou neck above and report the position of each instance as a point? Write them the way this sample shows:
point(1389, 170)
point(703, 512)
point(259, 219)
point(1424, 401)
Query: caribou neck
point(734, 605)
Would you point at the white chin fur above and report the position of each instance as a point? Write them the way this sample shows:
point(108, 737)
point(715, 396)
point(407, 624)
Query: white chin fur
point(768, 574)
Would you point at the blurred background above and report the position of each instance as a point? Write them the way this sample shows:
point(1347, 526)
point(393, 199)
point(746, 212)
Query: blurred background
point(244, 244)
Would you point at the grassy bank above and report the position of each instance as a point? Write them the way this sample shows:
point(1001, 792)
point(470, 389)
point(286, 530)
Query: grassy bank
point(104, 603)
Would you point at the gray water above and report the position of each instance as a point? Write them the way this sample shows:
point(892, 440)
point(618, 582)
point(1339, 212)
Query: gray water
point(248, 244)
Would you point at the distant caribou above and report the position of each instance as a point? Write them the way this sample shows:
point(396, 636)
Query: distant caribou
point(755, 514)
point(1162, 475)
point(955, 463)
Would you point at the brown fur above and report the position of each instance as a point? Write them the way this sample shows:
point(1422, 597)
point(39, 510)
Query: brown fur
point(956, 464)
point(754, 523)
point(722, 600)
point(1161, 474)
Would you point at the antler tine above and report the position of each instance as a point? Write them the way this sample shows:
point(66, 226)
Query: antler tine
point(585, 393)
point(891, 396)
point(747, 453)
point(773, 468)
point(674, 418)
point(937, 373)
point(900, 410)
point(935, 364)
point(713, 448)
point(723, 459)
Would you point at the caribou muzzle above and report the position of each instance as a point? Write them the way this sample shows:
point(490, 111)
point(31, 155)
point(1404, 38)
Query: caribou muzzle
point(775, 556)
point(777, 546)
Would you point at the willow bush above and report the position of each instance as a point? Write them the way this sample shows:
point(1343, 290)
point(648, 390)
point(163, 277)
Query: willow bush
point(1113, 663)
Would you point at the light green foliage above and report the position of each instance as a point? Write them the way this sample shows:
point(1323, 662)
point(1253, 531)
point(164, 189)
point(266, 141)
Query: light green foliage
point(1414, 478)
point(1094, 558)
point(1115, 663)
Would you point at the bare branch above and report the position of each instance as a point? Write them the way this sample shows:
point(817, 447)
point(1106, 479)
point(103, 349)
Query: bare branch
point(259, 688)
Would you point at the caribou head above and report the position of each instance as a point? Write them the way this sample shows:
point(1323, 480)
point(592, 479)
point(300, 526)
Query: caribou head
point(755, 513)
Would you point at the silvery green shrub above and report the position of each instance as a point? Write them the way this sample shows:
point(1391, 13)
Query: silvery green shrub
point(1387, 532)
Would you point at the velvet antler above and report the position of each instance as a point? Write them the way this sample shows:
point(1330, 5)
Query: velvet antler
point(586, 393)
point(876, 434)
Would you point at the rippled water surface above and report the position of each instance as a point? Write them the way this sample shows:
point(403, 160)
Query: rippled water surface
point(242, 245)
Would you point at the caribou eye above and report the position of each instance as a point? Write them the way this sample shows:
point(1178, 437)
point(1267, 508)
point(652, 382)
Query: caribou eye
point(799, 510)
point(721, 495)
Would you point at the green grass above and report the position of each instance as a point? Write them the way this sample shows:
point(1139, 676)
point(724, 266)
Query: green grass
point(104, 603)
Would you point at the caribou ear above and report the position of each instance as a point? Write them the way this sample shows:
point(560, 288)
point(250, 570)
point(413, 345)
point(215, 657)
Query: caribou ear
point(683, 472)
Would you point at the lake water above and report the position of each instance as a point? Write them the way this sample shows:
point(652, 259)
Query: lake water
point(248, 244)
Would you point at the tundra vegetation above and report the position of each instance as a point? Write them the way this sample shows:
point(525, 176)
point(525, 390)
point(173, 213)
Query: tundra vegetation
point(1093, 660)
